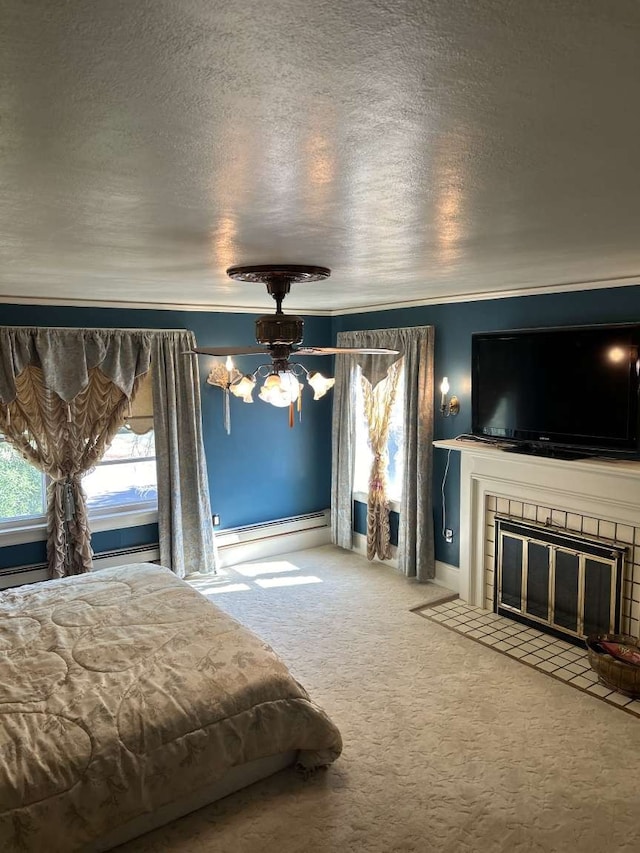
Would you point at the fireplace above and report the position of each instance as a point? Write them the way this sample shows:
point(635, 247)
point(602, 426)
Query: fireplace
point(556, 580)
point(591, 499)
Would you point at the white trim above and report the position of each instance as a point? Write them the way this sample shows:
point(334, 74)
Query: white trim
point(18, 575)
point(477, 296)
point(481, 296)
point(35, 530)
point(198, 308)
point(447, 575)
point(134, 517)
point(607, 489)
point(360, 547)
point(259, 541)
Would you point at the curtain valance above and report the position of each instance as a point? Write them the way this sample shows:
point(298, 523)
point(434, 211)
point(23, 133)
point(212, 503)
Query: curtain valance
point(67, 357)
point(64, 393)
point(374, 367)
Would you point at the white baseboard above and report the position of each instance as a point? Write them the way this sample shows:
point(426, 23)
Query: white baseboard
point(447, 575)
point(360, 547)
point(259, 541)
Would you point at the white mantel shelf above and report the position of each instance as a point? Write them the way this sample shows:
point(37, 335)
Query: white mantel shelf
point(613, 467)
point(602, 488)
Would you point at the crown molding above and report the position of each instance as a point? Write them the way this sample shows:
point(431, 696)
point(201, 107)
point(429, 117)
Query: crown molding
point(486, 295)
point(477, 296)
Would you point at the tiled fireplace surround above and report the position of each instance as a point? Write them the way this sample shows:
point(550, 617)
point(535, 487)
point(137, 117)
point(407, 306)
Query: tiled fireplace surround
point(598, 498)
point(590, 527)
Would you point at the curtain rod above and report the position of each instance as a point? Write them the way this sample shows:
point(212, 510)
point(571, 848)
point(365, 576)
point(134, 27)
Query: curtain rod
point(94, 329)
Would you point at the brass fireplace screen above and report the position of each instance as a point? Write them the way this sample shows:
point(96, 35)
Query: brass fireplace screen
point(557, 581)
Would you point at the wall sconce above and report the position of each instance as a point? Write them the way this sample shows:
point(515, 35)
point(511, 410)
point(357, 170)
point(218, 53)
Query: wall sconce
point(448, 405)
point(224, 376)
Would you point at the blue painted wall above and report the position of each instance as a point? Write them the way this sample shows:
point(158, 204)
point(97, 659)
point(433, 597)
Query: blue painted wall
point(263, 470)
point(454, 323)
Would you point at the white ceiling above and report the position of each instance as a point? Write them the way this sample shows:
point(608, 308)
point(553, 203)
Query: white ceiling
point(423, 150)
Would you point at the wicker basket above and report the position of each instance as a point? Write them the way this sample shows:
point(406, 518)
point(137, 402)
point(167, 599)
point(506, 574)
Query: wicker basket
point(614, 673)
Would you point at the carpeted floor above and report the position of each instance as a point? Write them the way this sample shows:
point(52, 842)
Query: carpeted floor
point(449, 746)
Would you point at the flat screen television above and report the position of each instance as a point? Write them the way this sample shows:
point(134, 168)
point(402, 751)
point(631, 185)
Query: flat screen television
point(570, 391)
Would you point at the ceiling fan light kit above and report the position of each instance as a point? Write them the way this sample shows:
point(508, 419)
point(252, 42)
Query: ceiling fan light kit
point(279, 336)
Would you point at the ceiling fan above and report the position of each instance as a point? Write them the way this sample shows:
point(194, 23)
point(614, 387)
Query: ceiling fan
point(279, 334)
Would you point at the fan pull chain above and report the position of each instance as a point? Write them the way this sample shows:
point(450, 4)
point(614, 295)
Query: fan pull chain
point(227, 412)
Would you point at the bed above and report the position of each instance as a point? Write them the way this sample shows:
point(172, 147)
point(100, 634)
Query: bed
point(126, 700)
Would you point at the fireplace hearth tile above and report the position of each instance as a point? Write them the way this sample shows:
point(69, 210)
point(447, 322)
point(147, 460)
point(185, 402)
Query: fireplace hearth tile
point(581, 681)
point(517, 652)
point(528, 647)
point(619, 699)
point(563, 674)
point(532, 659)
point(547, 654)
point(599, 690)
point(575, 668)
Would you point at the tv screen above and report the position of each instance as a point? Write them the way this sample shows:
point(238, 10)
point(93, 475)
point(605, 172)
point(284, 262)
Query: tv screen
point(564, 387)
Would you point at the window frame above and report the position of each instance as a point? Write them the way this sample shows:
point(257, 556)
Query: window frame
point(24, 530)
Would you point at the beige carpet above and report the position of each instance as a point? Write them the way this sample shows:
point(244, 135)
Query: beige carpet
point(449, 746)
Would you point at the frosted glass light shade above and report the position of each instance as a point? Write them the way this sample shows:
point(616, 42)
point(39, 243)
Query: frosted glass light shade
point(320, 384)
point(244, 388)
point(280, 389)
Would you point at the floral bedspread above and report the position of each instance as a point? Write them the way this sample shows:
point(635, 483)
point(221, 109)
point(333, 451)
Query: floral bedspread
point(125, 689)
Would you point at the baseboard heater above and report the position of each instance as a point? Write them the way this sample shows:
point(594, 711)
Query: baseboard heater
point(235, 545)
point(269, 538)
point(36, 572)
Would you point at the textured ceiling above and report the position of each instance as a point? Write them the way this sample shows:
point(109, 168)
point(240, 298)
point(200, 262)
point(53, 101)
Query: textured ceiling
point(422, 150)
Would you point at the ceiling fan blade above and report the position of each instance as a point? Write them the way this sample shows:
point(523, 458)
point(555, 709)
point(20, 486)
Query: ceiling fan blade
point(345, 351)
point(230, 351)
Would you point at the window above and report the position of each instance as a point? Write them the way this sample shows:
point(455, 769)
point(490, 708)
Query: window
point(395, 441)
point(124, 479)
point(23, 491)
point(126, 474)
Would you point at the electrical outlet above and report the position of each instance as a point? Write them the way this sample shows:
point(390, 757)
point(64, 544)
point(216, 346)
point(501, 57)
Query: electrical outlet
point(216, 520)
point(448, 535)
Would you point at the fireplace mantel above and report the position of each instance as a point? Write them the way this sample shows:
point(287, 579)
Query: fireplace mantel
point(601, 488)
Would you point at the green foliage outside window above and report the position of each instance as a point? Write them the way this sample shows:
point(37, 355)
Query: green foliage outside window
point(21, 492)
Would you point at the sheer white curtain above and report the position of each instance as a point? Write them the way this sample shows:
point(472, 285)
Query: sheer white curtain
point(416, 344)
point(378, 407)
